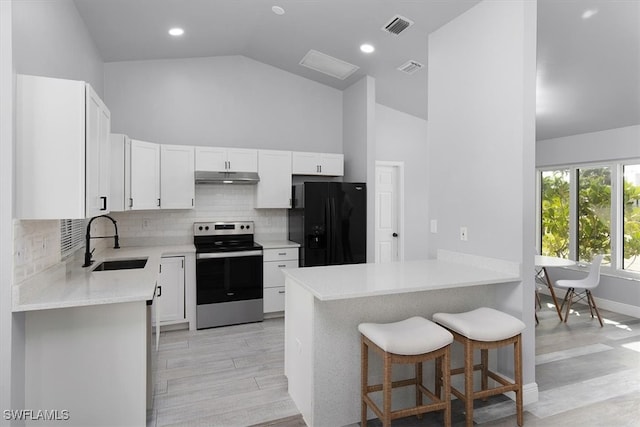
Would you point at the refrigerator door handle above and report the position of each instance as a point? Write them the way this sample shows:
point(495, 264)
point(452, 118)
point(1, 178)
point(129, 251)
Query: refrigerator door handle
point(328, 232)
point(334, 238)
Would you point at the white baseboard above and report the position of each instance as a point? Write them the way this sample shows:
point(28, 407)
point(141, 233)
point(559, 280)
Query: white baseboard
point(615, 306)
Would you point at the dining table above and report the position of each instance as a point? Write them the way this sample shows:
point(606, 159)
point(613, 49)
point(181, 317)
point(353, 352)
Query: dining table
point(542, 263)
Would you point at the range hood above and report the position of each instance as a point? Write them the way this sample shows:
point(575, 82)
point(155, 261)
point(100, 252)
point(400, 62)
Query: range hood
point(208, 177)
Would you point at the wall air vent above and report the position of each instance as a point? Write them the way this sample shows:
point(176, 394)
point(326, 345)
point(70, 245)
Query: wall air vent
point(410, 67)
point(397, 24)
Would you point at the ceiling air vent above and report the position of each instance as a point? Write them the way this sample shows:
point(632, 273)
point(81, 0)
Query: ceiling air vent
point(328, 64)
point(397, 24)
point(410, 67)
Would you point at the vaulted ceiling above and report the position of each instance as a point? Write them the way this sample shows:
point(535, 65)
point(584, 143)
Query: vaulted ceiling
point(588, 67)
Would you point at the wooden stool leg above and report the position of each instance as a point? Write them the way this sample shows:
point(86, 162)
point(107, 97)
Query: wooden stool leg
point(418, 369)
point(386, 391)
point(445, 371)
point(517, 352)
point(484, 361)
point(468, 381)
point(439, 378)
point(364, 374)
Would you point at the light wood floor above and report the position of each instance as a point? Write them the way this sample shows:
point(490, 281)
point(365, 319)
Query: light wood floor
point(234, 376)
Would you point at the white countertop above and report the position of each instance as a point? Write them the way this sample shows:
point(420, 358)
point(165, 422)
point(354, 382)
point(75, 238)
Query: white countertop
point(363, 280)
point(70, 285)
point(277, 244)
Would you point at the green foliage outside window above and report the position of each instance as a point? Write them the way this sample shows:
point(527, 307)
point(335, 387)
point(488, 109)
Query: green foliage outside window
point(594, 216)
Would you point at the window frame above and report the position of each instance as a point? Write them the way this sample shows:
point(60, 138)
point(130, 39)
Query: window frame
point(617, 212)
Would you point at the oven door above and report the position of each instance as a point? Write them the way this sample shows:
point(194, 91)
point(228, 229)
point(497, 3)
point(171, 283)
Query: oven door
point(228, 276)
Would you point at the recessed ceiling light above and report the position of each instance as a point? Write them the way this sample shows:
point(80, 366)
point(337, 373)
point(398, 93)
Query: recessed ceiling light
point(367, 48)
point(176, 31)
point(589, 13)
point(277, 10)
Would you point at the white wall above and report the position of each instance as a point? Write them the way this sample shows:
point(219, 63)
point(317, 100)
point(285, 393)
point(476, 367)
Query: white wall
point(403, 137)
point(50, 39)
point(613, 144)
point(11, 357)
point(228, 101)
point(481, 138)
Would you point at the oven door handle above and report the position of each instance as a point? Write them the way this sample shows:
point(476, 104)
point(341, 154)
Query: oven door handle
point(228, 254)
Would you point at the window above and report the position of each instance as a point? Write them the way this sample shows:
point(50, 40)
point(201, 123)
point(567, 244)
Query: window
point(587, 210)
point(71, 236)
point(594, 213)
point(631, 212)
point(555, 213)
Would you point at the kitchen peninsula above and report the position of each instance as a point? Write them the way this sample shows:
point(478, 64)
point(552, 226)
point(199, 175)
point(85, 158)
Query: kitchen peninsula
point(324, 306)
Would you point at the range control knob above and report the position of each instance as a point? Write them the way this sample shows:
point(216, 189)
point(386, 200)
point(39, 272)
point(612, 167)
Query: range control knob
point(207, 228)
point(248, 226)
point(242, 227)
point(200, 228)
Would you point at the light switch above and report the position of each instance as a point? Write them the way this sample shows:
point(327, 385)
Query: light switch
point(434, 226)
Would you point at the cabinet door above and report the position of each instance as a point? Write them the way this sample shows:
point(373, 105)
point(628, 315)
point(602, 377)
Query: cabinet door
point(274, 299)
point(170, 291)
point(242, 160)
point(145, 175)
point(331, 164)
point(212, 159)
point(274, 188)
point(50, 148)
point(305, 163)
point(177, 185)
point(273, 276)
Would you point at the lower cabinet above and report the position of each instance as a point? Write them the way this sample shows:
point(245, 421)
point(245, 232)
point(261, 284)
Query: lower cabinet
point(171, 290)
point(276, 259)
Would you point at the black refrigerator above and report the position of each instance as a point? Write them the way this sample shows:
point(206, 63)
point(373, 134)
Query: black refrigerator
point(329, 221)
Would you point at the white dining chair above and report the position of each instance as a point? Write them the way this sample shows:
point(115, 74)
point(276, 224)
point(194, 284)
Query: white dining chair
point(580, 289)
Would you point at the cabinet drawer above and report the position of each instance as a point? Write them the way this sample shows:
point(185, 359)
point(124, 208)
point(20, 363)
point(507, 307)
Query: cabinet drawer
point(280, 254)
point(274, 299)
point(272, 276)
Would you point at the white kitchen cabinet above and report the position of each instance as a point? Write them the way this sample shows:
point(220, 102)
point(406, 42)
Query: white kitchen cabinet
point(219, 159)
point(326, 164)
point(177, 182)
point(274, 188)
point(170, 290)
point(145, 175)
point(274, 260)
point(62, 149)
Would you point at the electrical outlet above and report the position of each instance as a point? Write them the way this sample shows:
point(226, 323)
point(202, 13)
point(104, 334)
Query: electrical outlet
point(464, 234)
point(434, 226)
point(146, 223)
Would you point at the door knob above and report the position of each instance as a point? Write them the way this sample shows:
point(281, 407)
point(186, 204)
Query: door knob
point(395, 234)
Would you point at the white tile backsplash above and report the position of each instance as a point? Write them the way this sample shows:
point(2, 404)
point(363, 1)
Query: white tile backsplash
point(213, 203)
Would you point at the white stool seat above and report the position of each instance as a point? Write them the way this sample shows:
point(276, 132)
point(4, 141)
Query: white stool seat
point(481, 324)
point(412, 336)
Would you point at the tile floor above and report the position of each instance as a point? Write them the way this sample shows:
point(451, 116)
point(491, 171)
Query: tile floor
point(233, 376)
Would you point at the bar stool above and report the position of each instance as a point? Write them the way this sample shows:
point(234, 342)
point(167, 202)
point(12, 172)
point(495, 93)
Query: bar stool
point(484, 329)
point(414, 340)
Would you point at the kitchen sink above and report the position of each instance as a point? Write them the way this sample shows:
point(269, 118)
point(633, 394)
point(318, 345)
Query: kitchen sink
point(121, 264)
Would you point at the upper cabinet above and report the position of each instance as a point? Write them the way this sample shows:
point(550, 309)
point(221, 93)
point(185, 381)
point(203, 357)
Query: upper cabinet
point(274, 188)
point(177, 184)
point(147, 176)
point(327, 164)
point(215, 159)
point(62, 149)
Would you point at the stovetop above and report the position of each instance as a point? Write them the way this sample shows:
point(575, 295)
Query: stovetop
point(224, 236)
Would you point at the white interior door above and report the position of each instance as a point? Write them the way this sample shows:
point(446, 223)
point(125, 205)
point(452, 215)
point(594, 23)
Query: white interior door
point(388, 218)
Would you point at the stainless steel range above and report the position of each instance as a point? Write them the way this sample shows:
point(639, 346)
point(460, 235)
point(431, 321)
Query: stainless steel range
point(228, 274)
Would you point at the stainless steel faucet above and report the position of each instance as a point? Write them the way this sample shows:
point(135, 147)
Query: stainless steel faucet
point(87, 247)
